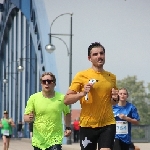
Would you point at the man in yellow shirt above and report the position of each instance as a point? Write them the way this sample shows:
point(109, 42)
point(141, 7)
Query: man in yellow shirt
point(96, 90)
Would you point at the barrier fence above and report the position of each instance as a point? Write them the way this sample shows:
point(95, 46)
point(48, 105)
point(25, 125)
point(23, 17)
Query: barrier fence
point(141, 133)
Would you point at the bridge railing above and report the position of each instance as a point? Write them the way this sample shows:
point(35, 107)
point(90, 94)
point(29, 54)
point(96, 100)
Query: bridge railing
point(141, 133)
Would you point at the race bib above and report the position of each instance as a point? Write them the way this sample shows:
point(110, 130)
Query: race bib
point(121, 127)
point(6, 132)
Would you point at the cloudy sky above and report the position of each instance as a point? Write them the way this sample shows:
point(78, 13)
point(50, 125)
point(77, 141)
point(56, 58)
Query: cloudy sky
point(123, 27)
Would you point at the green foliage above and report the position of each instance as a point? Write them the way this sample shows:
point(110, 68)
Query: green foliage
point(138, 133)
point(139, 95)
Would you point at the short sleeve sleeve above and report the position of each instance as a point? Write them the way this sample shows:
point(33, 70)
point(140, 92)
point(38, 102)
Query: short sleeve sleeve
point(77, 84)
point(30, 105)
point(135, 114)
point(66, 109)
point(113, 78)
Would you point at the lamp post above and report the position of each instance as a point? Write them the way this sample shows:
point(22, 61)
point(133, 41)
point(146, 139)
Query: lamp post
point(5, 81)
point(28, 77)
point(50, 48)
point(20, 67)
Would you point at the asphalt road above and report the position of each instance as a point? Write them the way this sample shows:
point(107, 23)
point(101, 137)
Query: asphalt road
point(25, 144)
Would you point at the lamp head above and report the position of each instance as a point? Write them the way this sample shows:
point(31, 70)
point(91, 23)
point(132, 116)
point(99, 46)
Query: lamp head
point(5, 80)
point(20, 68)
point(50, 48)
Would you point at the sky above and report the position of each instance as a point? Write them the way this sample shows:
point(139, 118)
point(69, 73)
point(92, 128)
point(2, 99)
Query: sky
point(122, 27)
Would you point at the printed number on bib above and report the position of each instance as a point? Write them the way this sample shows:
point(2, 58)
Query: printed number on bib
point(121, 127)
point(6, 132)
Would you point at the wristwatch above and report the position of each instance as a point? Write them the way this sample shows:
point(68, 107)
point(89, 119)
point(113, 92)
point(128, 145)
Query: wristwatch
point(68, 128)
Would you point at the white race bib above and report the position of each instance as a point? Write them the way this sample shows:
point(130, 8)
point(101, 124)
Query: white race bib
point(6, 132)
point(121, 127)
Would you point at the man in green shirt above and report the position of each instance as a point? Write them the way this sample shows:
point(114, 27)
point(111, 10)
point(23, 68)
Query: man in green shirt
point(6, 125)
point(46, 108)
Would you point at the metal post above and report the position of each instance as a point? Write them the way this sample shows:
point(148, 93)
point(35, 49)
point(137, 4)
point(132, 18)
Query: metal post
point(4, 102)
point(16, 103)
point(69, 141)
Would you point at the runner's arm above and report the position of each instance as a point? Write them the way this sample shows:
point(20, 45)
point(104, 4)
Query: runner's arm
point(68, 125)
point(12, 123)
point(1, 124)
point(28, 117)
point(133, 121)
point(68, 120)
point(72, 97)
point(29, 110)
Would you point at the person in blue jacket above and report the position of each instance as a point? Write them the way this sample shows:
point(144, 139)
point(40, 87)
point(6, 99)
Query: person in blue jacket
point(125, 114)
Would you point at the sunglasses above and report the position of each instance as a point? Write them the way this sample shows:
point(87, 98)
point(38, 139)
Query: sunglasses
point(47, 81)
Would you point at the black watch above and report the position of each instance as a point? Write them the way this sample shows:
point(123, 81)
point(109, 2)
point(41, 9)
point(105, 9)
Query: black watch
point(68, 128)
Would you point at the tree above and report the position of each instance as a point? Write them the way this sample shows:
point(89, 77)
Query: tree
point(139, 95)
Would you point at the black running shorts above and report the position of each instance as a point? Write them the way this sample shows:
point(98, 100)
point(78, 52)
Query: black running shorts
point(54, 147)
point(7, 136)
point(103, 136)
point(120, 145)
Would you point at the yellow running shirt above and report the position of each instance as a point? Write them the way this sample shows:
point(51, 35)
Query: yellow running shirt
point(97, 110)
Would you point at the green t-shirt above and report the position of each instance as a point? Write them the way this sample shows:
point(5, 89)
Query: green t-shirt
point(7, 128)
point(47, 127)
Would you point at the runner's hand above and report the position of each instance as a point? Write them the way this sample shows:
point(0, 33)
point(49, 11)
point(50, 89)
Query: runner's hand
point(10, 121)
point(122, 116)
point(115, 95)
point(67, 133)
point(31, 116)
point(87, 88)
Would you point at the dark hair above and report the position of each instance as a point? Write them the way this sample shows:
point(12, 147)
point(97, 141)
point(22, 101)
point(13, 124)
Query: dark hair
point(93, 45)
point(50, 74)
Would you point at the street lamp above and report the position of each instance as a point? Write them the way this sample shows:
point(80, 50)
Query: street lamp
point(50, 48)
point(28, 77)
point(20, 68)
point(5, 81)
